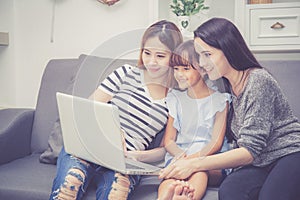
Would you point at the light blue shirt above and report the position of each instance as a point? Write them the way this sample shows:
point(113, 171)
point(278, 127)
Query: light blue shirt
point(194, 118)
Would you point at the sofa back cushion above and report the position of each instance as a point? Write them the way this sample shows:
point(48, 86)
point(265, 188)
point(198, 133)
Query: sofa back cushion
point(82, 76)
point(287, 74)
point(79, 77)
point(92, 70)
point(58, 76)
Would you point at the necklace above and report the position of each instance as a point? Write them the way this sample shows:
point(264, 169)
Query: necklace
point(239, 87)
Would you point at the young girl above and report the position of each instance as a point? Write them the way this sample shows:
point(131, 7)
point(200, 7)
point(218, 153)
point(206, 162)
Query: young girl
point(139, 93)
point(197, 119)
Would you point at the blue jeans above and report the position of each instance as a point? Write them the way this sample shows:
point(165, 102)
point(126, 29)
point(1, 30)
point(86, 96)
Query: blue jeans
point(278, 181)
point(103, 177)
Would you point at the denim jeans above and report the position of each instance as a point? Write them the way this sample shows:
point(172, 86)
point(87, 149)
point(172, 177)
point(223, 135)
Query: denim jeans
point(101, 176)
point(278, 181)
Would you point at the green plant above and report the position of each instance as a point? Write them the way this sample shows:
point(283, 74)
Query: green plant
point(187, 7)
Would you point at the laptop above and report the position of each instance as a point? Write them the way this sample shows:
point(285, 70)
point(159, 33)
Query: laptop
point(91, 131)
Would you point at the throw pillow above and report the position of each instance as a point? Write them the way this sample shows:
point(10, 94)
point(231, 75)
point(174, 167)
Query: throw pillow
point(55, 140)
point(55, 143)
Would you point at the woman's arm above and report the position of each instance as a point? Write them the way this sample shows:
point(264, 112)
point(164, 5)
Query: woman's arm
point(157, 154)
point(99, 95)
point(182, 169)
point(148, 156)
point(218, 134)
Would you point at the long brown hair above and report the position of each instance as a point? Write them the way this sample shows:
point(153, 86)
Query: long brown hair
point(169, 35)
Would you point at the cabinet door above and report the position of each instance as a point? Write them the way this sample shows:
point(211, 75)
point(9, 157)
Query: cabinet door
point(274, 26)
point(270, 27)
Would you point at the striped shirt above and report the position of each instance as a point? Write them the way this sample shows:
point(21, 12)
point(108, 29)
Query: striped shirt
point(141, 117)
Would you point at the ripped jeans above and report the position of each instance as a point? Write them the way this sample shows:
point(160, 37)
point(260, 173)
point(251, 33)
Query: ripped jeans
point(74, 175)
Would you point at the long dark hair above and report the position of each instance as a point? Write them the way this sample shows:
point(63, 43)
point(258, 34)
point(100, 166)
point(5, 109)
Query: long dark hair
point(222, 34)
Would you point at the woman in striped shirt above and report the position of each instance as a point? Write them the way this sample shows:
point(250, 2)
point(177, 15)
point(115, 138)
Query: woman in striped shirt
point(139, 93)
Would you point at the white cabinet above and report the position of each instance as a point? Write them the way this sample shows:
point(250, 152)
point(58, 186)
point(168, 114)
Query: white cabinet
point(270, 27)
point(273, 26)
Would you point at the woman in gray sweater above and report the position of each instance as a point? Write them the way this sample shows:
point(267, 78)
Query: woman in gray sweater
point(264, 132)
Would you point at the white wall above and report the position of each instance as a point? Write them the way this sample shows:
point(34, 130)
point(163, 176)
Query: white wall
point(7, 64)
point(80, 26)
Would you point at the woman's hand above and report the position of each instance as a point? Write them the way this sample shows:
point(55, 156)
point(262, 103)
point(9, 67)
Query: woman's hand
point(180, 169)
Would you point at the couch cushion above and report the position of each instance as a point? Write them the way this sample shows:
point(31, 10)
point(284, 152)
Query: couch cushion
point(58, 76)
point(28, 179)
point(287, 74)
point(149, 185)
point(55, 143)
point(92, 70)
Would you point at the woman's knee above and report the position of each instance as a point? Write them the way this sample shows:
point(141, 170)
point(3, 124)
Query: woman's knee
point(72, 184)
point(113, 185)
point(226, 191)
point(70, 179)
point(230, 192)
point(120, 187)
point(283, 180)
point(234, 188)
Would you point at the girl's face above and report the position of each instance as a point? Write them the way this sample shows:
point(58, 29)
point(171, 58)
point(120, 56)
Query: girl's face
point(212, 60)
point(186, 76)
point(156, 57)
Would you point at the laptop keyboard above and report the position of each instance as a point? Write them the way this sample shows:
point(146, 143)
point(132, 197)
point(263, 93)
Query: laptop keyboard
point(129, 166)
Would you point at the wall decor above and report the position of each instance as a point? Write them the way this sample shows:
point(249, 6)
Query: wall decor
point(108, 2)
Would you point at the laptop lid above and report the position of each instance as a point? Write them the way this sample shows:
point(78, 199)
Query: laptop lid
point(91, 131)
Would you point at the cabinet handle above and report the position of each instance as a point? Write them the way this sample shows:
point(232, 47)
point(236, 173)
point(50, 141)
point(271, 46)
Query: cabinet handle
point(277, 25)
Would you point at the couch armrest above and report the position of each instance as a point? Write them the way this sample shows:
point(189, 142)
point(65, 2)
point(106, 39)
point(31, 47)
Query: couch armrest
point(15, 133)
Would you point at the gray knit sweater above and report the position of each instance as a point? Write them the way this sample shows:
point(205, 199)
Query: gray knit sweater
point(263, 121)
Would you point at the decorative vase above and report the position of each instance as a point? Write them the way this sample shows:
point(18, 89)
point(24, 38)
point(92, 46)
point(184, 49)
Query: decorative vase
point(184, 23)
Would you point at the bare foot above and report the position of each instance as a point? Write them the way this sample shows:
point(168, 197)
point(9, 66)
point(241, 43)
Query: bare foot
point(168, 195)
point(178, 190)
point(183, 192)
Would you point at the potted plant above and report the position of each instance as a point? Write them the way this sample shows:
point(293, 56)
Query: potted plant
point(187, 7)
point(183, 9)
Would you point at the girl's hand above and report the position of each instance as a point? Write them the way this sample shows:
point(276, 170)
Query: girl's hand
point(180, 169)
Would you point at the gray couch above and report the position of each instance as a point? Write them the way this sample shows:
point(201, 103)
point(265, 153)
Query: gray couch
point(24, 132)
